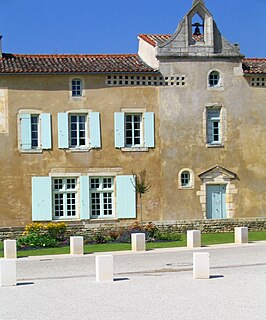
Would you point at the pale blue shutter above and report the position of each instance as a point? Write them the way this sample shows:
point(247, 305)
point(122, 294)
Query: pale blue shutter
point(46, 138)
point(84, 198)
point(149, 129)
point(125, 197)
point(119, 129)
point(95, 130)
point(41, 198)
point(25, 127)
point(63, 140)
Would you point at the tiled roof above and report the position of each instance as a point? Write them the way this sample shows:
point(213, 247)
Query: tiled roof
point(72, 63)
point(153, 39)
point(254, 66)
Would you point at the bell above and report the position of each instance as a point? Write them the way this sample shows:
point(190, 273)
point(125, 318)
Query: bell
point(197, 31)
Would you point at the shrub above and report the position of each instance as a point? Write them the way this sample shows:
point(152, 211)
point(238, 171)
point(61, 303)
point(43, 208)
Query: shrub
point(167, 236)
point(42, 235)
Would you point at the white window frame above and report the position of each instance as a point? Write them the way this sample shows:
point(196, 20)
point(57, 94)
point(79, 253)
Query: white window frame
point(141, 131)
point(191, 182)
point(217, 86)
point(210, 125)
point(100, 191)
point(78, 146)
point(65, 192)
point(74, 87)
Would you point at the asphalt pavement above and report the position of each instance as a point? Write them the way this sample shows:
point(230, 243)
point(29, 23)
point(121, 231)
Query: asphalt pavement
point(156, 284)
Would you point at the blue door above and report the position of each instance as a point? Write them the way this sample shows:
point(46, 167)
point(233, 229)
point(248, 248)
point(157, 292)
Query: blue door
point(216, 203)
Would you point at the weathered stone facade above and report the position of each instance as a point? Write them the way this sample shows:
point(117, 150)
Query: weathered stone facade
point(194, 107)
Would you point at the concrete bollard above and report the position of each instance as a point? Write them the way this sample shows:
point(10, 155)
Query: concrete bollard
point(193, 238)
point(201, 265)
point(138, 242)
point(10, 249)
point(241, 235)
point(76, 245)
point(8, 272)
point(104, 268)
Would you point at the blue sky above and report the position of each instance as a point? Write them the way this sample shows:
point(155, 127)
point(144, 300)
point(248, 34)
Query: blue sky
point(112, 26)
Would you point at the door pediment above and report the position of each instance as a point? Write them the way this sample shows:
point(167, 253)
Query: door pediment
point(217, 173)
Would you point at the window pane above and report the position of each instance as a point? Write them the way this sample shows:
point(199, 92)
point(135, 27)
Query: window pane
point(58, 205)
point(95, 204)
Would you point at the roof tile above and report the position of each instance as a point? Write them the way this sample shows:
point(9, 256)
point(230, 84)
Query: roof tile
point(72, 63)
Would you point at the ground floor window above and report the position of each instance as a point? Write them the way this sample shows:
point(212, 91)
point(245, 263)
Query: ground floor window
point(102, 196)
point(64, 198)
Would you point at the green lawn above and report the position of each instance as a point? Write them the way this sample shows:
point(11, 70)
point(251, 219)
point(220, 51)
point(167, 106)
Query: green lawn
point(207, 239)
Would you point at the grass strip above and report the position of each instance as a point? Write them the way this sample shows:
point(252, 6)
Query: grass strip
point(206, 239)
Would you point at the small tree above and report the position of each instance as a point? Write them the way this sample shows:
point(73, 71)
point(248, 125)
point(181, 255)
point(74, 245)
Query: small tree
point(141, 186)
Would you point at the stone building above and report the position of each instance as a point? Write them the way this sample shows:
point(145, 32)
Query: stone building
point(188, 108)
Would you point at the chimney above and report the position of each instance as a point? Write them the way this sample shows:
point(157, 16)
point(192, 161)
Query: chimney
point(1, 46)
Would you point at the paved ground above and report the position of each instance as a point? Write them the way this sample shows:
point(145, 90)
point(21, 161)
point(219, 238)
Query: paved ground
point(154, 285)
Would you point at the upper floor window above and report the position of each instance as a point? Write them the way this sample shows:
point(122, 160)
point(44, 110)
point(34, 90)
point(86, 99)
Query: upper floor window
point(214, 126)
point(214, 78)
point(34, 131)
point(79, 130)
point(134, 130)
point(134, 137)
point(76, 88)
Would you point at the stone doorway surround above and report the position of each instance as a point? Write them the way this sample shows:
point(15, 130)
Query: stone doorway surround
point(222, 176)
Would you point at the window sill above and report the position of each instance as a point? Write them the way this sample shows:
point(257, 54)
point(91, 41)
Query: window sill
point(135, 149)
point(34, 151)
point(186, 188)
point(78, 150)
point(218, 88)
point(218, 145)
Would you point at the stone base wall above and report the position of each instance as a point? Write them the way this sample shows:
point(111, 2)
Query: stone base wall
point(206, 226)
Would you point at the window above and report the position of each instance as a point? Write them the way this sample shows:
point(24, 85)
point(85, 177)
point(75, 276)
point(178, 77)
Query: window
point(35, 143)
point(64, 198)
point(101, 193)
point(76, 88)
point(134, 131)
point(213, 126)
point(214, 78)
point(185, 179)
point(79, 130)
point(34, 131)
point(83, 197)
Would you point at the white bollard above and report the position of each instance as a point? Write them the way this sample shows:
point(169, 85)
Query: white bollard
point(8, 272)
point(104, 268)
point(193, 238)
point(138, 242)
point(76, 245)
point(201, 265)
point(10, 249)
point(241, 235)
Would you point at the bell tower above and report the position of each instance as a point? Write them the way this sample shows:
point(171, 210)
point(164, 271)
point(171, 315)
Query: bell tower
point(197, 35)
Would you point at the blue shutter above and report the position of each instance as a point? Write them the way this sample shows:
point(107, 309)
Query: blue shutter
point(63, 140)
point(46, 138)
point(41, 198)
point(125, 197)
point(84, 198)
point(149, 129)
point(95, 131)
point(25, 126)
point(119, 129)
